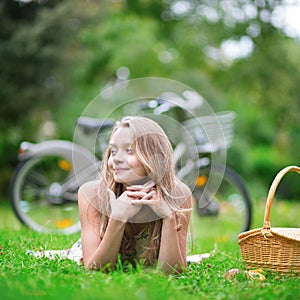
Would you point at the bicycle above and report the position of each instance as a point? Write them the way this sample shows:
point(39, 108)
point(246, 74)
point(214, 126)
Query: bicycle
point(43, 189)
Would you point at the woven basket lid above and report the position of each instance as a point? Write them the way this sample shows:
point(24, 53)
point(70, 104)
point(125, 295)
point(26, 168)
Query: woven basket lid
point(291, 233)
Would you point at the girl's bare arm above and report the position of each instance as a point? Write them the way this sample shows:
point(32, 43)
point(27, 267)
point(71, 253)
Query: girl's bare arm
point(172, 254)
point(97, 253)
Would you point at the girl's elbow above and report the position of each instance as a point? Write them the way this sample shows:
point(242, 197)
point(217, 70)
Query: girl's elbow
point(92, 265)
point(173, 268)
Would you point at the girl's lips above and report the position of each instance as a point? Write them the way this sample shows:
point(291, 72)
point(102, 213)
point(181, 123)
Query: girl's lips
point(117, 170)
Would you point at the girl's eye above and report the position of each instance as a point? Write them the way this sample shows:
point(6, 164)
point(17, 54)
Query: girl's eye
point(129, 151)
point(113, 151)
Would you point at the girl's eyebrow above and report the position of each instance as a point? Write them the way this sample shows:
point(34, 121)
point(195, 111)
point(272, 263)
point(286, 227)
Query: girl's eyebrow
point(114, 145)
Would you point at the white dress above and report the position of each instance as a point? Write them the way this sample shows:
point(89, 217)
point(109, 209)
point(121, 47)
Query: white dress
point(74, 253)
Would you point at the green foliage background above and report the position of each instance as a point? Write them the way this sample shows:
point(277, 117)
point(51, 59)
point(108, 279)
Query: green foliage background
point(56, 56)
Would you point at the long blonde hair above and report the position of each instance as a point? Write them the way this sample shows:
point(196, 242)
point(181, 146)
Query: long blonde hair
point(154, 151)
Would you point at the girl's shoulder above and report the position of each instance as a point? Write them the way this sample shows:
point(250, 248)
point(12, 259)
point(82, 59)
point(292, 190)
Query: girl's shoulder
point(183, 192)
point(89, 186)
point(182, 189)
point(89, 191)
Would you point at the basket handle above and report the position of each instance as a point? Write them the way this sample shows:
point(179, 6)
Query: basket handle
point(272, 191)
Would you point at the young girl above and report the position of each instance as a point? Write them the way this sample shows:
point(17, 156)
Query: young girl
point(138, 211)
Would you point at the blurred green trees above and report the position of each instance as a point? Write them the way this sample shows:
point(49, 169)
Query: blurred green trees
point(57, 55)
point(37, 47)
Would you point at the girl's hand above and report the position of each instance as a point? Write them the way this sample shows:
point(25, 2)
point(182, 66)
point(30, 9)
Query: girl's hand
point(121, 208)
point(139, 191)
point(157, 204)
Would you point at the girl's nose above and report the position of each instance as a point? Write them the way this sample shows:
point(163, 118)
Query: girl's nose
point(118, 157)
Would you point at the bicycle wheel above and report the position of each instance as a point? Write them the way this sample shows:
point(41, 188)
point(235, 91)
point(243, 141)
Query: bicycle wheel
point(228, 211)
point(39, 197)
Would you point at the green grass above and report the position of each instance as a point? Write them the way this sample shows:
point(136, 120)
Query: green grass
point(25, 277)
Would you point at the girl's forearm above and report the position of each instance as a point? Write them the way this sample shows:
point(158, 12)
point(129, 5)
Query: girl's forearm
point(107, 252)
point(170, 256)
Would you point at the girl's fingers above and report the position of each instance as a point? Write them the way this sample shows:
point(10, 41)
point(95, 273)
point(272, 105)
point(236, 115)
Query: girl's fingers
point(138, 189)
point(140, 194)
point(149, 195)
point(136, 194)
point(145, 187)
point(147, 199)
point(142, 201)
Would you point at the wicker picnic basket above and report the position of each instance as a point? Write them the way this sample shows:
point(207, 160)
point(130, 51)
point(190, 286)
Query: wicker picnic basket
point(273, 249)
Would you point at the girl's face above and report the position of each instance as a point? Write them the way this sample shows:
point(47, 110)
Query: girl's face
point(123, 163)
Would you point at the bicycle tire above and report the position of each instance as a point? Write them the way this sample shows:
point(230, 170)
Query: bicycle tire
point(229, 209)
point(35, 204)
